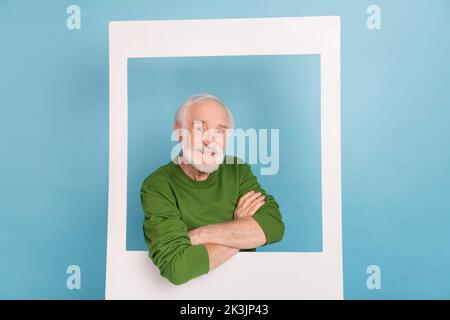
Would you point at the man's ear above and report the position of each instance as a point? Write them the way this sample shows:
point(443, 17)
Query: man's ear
point(176, 128)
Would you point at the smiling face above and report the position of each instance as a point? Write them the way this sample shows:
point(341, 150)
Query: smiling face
point(204, 139)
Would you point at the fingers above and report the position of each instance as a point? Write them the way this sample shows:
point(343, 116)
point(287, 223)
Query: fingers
point(254, 207)
point(245, 196)
point(192, 237)
point(252, 198)
point(249, 203)
point(250, 210)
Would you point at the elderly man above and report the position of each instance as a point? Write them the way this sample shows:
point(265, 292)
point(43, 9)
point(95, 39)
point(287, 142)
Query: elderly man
point(203, 207)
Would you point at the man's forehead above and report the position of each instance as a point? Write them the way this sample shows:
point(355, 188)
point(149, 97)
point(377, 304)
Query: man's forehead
point(208, 123)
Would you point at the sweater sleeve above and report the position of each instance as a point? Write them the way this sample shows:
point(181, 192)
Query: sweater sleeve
point(268, 216)
point(166, 235)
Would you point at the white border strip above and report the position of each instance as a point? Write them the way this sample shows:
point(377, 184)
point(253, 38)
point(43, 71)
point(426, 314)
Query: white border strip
point(260, 275)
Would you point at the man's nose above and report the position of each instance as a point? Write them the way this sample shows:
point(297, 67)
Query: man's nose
point(207, 143)
point(208, 139)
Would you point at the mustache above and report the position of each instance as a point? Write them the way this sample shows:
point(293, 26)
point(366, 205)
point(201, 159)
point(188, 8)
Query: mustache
point(215, 149)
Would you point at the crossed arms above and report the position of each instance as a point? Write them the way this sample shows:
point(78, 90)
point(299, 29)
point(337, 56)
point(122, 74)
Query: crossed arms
point(182, 254)
point(224, 240)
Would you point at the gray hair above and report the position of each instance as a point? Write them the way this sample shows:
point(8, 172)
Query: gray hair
point(180, 115)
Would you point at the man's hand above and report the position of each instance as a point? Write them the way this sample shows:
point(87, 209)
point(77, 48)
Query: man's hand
point(248, 204)
point(195, 236)
point(242, 233)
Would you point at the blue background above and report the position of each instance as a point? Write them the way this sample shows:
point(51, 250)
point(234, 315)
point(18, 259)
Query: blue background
point(260, 93)
point(395, 137)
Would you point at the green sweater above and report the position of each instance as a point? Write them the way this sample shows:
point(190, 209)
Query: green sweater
point(173, 203)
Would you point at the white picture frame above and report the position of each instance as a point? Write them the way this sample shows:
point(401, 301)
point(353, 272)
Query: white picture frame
point(248, 275)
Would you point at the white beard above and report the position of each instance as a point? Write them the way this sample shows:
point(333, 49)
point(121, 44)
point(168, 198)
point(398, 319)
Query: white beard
point(211, 165)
